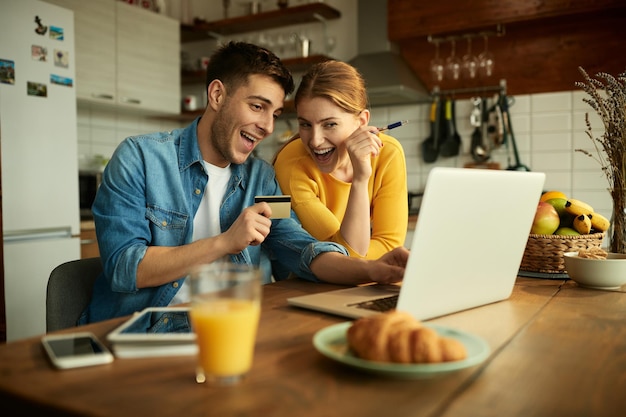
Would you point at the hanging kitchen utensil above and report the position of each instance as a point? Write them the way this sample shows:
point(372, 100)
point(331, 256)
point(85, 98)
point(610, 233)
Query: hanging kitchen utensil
point(457, 137)
point(495, 127)
point(451, 142)
point(477, 149)
point(430, 146)
point(506, 118)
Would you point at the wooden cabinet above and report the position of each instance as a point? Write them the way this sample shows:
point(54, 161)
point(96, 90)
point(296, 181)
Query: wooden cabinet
point(88, 242)
point(125, 56)
point(420, 18)
point(544, 44)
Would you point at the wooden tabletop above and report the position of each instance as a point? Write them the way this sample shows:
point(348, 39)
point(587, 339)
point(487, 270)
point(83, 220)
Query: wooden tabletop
point(556, 350)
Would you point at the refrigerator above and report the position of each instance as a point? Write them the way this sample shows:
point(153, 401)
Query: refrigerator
point(38, 145)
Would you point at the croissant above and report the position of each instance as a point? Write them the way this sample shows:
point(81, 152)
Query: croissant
point(398, 337)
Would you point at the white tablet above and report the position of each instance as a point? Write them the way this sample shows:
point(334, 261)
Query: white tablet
point(156, 326)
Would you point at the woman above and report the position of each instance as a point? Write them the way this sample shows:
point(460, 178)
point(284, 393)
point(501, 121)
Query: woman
point(347, 181)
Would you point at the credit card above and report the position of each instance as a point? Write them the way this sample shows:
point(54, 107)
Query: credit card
point(280, 205)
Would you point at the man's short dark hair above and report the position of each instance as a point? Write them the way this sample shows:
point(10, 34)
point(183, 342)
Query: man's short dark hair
point(234, 62)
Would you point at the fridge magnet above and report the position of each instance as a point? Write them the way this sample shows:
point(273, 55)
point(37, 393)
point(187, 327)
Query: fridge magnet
point(41, 29)
point(56, 33)
point(61, 58)
point(57, 79)
point(39, 53)
point(36, 89)
point(7, 71)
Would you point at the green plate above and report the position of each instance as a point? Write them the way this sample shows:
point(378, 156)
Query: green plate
point(331, 342)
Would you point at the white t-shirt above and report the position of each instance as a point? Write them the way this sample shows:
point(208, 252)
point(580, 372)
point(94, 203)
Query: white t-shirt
point(206, 222)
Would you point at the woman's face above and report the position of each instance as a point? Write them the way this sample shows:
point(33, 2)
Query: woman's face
point(324, 128)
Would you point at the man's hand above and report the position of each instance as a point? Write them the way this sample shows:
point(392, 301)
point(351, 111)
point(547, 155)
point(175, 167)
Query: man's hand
point(389, 268)
point(251, 228)
point(337, 268)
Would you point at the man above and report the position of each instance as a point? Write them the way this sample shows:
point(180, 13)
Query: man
point(172, 200)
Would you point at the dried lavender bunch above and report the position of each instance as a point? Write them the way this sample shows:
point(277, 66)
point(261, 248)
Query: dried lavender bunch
point(607, 96)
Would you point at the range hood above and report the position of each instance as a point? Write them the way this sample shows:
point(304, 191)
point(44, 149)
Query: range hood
point(388, 78)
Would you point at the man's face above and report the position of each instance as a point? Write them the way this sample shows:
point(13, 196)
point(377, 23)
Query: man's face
point(244, 119)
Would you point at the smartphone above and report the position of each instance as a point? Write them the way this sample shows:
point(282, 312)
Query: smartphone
point(75, 350)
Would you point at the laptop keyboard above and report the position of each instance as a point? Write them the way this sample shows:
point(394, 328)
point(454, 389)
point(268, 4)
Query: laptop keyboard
point(379, 304)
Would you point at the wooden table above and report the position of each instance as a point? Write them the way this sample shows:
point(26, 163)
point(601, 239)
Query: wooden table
point(556, 350)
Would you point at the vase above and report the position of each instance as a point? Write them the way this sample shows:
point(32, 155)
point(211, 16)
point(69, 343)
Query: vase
point(616, 234)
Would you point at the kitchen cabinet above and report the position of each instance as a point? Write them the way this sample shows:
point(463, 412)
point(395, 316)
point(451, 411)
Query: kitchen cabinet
point(420, 18)
point(88, 242)
point(148, 60)
point(125, 56)
point(544, 43)
point(94, 26)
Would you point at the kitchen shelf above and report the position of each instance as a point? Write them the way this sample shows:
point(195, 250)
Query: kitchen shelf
point(299, 64)
point(199, 77)
point(188, 116)
point(306, 13)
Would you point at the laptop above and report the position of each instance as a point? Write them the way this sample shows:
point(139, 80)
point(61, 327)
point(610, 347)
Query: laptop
point(470, 236)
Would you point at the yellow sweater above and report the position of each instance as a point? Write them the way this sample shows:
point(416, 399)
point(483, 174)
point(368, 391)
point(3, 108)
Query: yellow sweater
point(320, 200)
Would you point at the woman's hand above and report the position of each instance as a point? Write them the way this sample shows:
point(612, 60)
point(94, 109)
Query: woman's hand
point(361, 145)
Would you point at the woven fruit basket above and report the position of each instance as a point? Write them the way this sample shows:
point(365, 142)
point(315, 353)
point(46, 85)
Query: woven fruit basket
point(544, 253)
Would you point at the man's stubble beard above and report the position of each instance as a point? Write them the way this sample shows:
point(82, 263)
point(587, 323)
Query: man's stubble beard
point(220, 136)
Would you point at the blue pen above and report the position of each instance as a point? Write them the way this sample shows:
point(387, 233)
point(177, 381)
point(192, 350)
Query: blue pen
point(393, 125)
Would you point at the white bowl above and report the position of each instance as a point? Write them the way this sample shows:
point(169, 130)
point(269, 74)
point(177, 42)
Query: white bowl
point(603, 274)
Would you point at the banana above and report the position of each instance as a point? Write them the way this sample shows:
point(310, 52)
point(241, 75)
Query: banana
point(578, 207)
point(599, 222)
point(582, 224)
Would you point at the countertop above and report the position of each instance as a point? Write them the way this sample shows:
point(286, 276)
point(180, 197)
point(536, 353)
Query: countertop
point(412, 221)
point(87, 225)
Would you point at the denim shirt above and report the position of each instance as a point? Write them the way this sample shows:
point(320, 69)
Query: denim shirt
point(150, 192)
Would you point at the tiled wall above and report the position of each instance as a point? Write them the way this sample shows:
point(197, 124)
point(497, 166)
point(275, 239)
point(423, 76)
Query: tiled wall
point(100, 131)
point(547, 129)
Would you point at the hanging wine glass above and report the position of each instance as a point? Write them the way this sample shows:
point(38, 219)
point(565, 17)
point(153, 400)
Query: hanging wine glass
point(436, 65)
point(486, 61)
point(281, 43)
point(469, 66)
point(453, 63)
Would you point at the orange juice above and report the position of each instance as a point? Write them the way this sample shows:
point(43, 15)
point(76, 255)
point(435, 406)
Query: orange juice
point(226, 333)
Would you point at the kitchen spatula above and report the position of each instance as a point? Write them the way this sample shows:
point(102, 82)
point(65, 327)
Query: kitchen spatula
point(430, 146)
point(479, 153)
point(451, 143)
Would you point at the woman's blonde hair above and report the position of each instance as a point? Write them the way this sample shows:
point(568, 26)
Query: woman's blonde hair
point(337, 81)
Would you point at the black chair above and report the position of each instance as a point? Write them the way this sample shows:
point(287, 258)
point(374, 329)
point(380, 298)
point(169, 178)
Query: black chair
point(69, 291)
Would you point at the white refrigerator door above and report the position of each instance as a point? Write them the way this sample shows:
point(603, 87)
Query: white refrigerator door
point(39, 155)
point(28, 264)
point(39, 130)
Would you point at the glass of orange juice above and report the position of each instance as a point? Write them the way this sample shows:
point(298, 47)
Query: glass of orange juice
point(225, 311)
